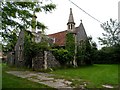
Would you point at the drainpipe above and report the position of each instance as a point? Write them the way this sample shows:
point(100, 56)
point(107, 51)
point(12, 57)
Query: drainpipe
point(74, 61)
point(45, 59)
point(119, 14)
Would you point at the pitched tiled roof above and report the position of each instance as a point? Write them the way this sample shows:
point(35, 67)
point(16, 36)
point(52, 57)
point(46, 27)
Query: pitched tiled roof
point(59, 38)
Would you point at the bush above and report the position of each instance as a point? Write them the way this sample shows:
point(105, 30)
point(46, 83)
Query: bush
point(108, 55)
point(62, 55)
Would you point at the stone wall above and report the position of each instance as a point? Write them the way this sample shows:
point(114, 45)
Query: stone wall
point(10, 59)
point(38, 61)
point(19, 51)
point(51, 60)
point(44, 60)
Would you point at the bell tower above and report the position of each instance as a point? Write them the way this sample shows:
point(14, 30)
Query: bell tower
point(71, 23)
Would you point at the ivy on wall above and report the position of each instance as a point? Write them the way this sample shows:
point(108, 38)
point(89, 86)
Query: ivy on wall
point(28, 48)
point(32, 48)
point(83, 55)
point(70, 45)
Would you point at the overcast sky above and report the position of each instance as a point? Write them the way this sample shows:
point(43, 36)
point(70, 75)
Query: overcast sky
point(102, 10)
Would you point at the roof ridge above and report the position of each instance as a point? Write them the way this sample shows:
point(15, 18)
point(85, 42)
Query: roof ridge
point(57, 32)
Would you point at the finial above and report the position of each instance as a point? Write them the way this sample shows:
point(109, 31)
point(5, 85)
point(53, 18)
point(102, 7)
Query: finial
point(81, 20)
point(70, 11)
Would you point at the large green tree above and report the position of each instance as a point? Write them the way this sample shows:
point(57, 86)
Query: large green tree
point(111, 41)
point(111, 36)
point(84, 52)
point(17, 16)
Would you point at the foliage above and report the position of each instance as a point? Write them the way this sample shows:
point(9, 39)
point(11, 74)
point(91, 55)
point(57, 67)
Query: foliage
point(111, 35)
point(32, 48)
point(94, 50)
point(37, 47)
point(70, 45)
point(108, 55)
point(95, 76)
point(111, 41)
point(28, 48)
point(62, 55)
point(84, 53)
point(18, 16)
point(84, 49)
point(11, 39)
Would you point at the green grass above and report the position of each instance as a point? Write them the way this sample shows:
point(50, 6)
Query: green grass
point(10, 81)
point(95, 75)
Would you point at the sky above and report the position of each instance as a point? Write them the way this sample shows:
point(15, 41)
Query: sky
point(102, 10)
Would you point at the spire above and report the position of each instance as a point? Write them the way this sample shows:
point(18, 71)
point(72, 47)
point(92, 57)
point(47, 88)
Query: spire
point(71, 23)
point(71, 19)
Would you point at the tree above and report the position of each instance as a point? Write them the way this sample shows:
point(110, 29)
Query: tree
point(108, 55)
point(11, 41)
point(84, 52)
point(112, 33)
point(111, 41)
point(17, 16)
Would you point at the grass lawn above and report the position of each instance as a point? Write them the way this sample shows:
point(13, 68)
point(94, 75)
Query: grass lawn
point(95, 75)
point(10, 81)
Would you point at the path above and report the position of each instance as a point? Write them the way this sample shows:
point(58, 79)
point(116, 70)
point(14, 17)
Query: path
point(43, 78)
point(48, 79)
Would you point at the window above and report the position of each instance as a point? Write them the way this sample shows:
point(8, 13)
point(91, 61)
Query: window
point(68, 26)
point(71, 26)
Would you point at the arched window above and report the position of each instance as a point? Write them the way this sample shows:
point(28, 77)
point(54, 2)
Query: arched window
point(71, 26)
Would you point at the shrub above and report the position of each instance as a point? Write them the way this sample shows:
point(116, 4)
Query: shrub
point(108, 55)
point(62, 55)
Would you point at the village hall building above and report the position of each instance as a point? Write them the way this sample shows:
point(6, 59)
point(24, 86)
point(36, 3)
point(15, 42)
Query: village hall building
point(46, 59)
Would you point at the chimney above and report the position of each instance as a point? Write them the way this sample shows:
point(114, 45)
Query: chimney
point(34, 22)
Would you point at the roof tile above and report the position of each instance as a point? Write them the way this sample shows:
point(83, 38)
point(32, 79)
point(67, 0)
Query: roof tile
point(59, 38)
